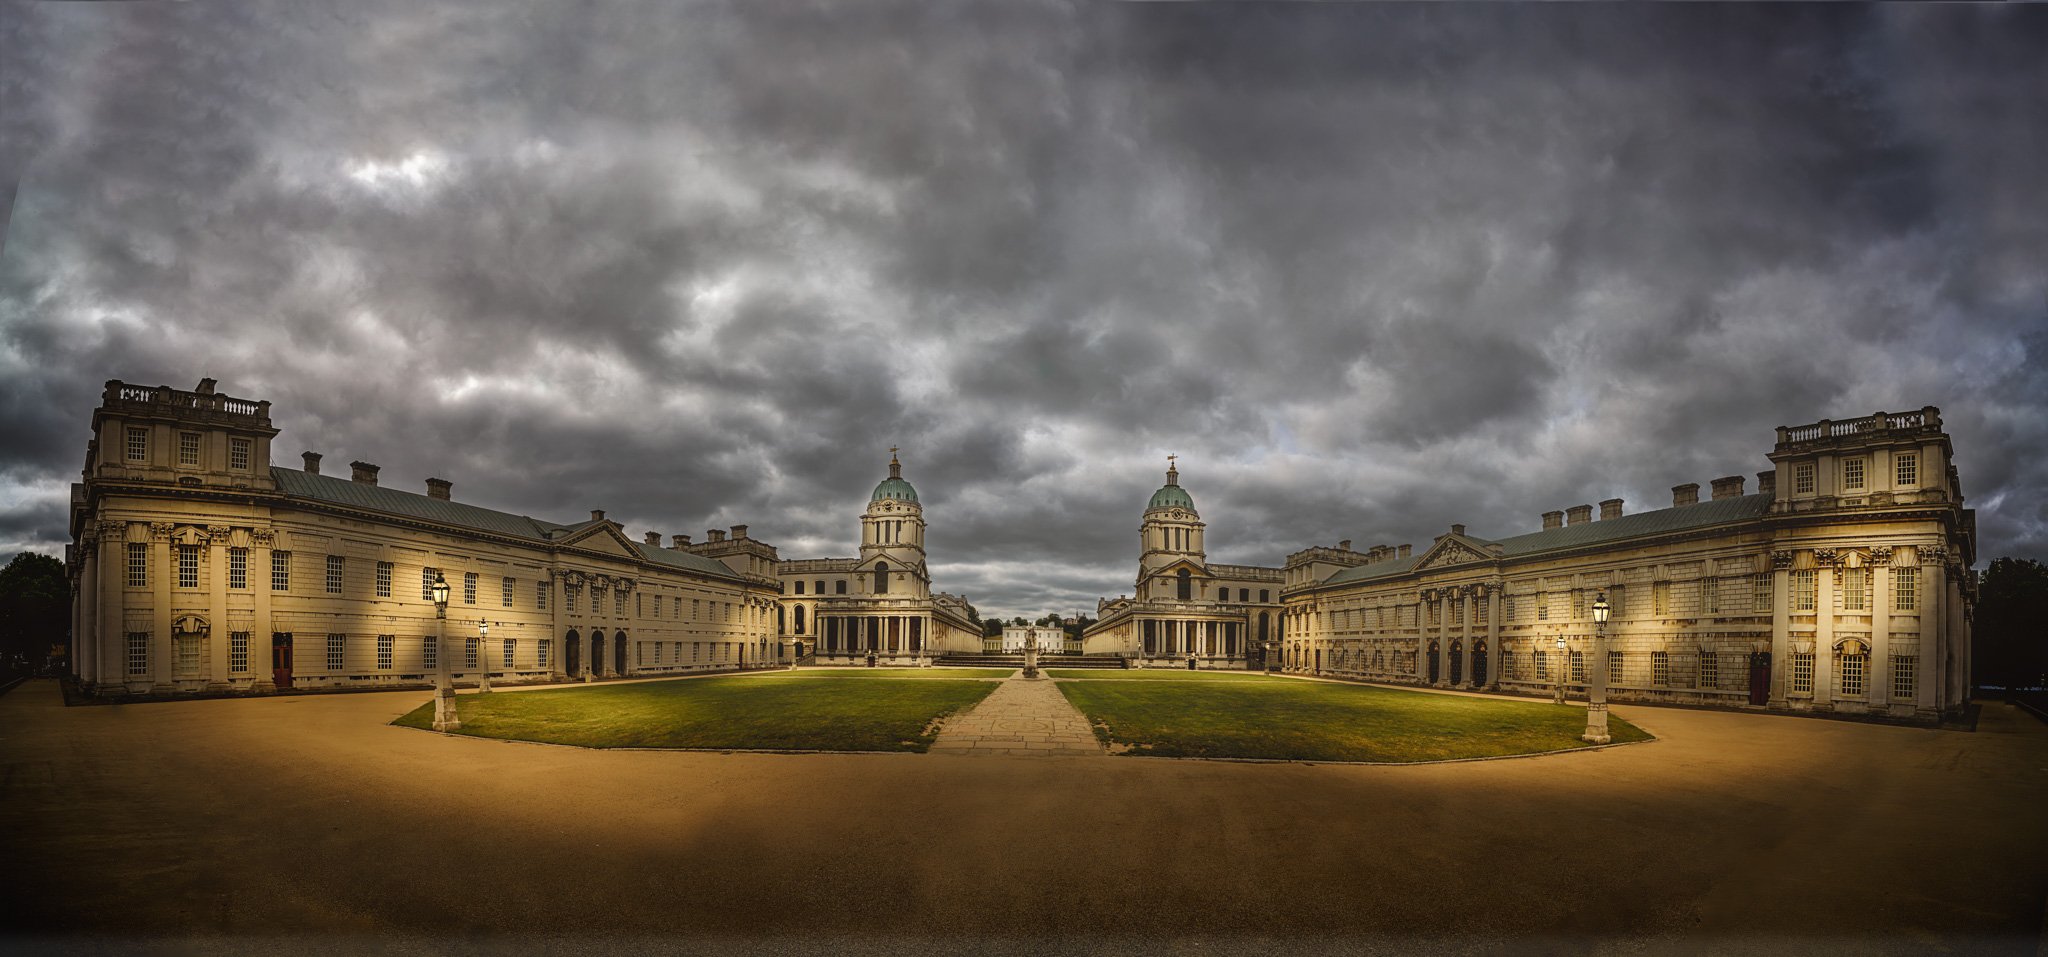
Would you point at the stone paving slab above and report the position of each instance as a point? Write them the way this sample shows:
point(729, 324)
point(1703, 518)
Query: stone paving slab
point(1022, 717)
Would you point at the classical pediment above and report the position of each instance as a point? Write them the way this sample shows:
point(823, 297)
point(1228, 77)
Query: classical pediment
point(1454, 550)
point(602, 537)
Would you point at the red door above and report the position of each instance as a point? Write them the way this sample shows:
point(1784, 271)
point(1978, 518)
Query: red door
point(281, 660)
point(1760, 678)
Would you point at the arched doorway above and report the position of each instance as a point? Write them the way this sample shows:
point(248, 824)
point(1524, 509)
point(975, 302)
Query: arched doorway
point(1435, 664)
point(597, 654)
point(573, 645)
point(619, 653)
point(1457, 661)
point(1479, 665)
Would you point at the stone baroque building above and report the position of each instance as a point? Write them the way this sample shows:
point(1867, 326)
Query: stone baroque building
point(197, 566)
point(1185, 611)
point(1842, 585)
point(878, 608)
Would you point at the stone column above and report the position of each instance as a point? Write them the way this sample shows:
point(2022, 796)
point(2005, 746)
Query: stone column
point(217, 608)
point(1824, 629)
point(161, 648)
point(1465, 619)
point(85, 643)
point(1877, 673)
point(1495, 655)
point(1443, 639)
point(262, 542)
point(1781, 626)
point(113, 602)
point(558, 629)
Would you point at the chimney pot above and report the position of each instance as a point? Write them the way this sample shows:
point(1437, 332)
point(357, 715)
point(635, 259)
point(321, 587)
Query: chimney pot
point(1610, 509)
point(438, 488)
point(1767, 482)
point(362, 472)
point(1578, 514)
point(679, 541)
point(312, 462)
point(1553, 519)
point(1345, 544)
point(1729, 486)
point(739, 533)
point(597, 515)
point(1687, 494)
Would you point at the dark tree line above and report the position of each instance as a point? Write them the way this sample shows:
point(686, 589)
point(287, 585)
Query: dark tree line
point(2009, 637)
point(35, 609)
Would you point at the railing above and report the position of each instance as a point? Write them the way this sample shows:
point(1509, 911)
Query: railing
point(122, 394)
point(1925, 418)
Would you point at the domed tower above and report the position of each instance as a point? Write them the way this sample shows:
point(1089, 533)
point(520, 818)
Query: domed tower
point(892, 537)
point(1173, 529)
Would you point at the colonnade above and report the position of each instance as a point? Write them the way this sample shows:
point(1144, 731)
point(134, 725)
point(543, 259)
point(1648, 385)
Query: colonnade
point(864, 634)
point(1174, 637)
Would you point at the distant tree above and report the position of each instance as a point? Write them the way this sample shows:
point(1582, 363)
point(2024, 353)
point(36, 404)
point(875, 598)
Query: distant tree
point(992, 628)
point(2010, 631)
point(1020, 621)
point(35, 607)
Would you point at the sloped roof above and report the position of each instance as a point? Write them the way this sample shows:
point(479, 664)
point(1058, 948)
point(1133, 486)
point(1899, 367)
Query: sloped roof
point(297, 483)
point(1663, 521)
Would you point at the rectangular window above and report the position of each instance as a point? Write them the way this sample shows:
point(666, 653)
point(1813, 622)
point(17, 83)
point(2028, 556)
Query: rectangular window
point(337, 652)
point(188, 654)
point(469, 588)
point(1710, 670)
point(427, 583)
point(138, 564)
point(1759, 593)
point(1802, 672)
point(596, 602)
point(1543, 606)
point(238, 568)
point(334, 567)
point(540, 595)
point(639, 605)
point(1855, 589)
point(1615, 670)
point(383, 579)
point(1905, 589)
point(238, 652)
point(1852, 475)
point(1660, 668)
point(280, 571)
point(138, 652)
point(1508, 607)
point(430, 653)
point(799, 588)
point(469, 653)
point(1802, 478)
point(618, 602)
point(1578, 666)
point(542, 651)
point(1617, 601)
point(238, 454)
point(188, 448)
point(1851, 677)
point(384, 646)
point(1908, 468)
point(1803, 589)
point(138, 445)
point(505, 593)
point(1710, 596)
point(1660, 599)
point(188, 566)
point(509, 645)
point(1265, 596)
point(1902, 677)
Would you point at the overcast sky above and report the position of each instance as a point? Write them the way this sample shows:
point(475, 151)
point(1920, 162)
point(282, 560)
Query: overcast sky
point(1368, 270)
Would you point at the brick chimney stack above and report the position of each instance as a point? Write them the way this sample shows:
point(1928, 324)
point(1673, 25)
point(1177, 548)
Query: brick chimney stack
point(1578, 515)
point(362, 472)
point(1610, 509)
point(679, 542)
point(1687, 494)
point(714, 535)
point(597, 515)
point(654, 539)
point(439, 488)
point(1729, 486)
point(1767, 482)
point(312, 462)
point(1553, 520)
point(739, 533)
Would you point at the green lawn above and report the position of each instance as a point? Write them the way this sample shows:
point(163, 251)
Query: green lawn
point(1258, 717)
point(803, 711)
point(911, 674)
point(1159, 674)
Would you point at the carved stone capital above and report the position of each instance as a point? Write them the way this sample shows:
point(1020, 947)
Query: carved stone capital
point(162, 530)
point(1781, 560)
point(1933, 554)
point(218, 533)
point(262, 537)
point(1826, 557)
point(1881, 555)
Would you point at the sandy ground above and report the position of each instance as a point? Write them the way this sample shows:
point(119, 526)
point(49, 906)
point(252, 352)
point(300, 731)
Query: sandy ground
point(307, 824)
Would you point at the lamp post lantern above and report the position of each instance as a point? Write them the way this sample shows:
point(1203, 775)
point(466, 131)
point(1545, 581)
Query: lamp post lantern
point(445, 718)
point(1563, 661)
point(1596, 693)
point(483, 656)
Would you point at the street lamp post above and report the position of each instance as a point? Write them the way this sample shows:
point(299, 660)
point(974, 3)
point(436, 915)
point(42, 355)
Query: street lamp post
point(1596, 694)
point(1564, 661)
point(483, 656)
point(445, 718)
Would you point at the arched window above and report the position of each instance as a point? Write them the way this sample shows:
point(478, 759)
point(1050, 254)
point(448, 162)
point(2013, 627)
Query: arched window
point(1185, 585)
point(799, 619)
point(779, 626)
point(881, 578)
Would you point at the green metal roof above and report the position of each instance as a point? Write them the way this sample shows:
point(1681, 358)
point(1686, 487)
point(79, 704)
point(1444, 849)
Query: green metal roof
point(296, 483)
point(1663, 521)
point(1170, 496)
point(895, 488)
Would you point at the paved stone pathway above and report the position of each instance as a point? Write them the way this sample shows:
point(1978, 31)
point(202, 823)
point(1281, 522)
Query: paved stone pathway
point(1021, 717)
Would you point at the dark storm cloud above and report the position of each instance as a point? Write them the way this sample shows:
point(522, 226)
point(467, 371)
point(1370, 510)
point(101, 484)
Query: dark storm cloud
point(1369, 269)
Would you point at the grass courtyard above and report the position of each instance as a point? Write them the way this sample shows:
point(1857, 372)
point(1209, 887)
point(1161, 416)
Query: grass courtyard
point(822, 710)
point(1236, 715)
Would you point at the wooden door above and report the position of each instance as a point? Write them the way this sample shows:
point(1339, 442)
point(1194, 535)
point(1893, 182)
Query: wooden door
point(281, 660)
point(1760, 678)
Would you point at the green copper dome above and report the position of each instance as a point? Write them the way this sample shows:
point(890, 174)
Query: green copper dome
point(894, 486)
point(1171, 495)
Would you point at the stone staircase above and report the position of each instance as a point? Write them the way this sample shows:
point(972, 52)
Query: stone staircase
point(1017, 661)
